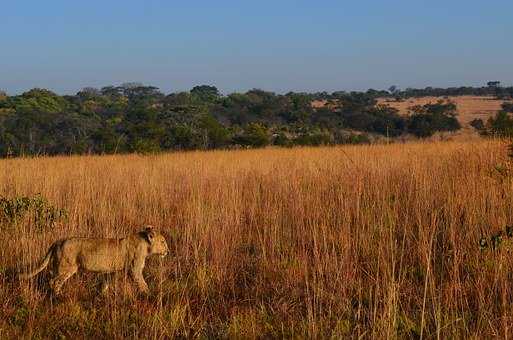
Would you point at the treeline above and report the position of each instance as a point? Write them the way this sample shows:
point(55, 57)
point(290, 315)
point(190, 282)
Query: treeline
point(496, 91)
point(492, 88)
point(138, 118)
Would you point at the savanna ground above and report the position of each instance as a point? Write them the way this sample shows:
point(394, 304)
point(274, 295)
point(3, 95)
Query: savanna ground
point(468, 109)
point(376, 241)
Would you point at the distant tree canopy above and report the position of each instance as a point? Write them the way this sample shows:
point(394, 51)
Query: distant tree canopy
point(427, 119)
point(502, 124)
point(492, 88)
point(134, 117)
point(206, 93)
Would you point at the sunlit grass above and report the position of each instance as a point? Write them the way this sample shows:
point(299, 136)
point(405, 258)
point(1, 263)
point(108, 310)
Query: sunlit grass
point(374, 241)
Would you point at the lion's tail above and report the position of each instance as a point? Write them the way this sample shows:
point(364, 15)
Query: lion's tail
point(42, 265)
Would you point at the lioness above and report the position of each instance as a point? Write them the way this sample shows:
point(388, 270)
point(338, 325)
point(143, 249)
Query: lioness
point(102, 255)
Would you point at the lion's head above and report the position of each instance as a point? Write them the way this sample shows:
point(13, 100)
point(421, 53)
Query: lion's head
point(158, 244)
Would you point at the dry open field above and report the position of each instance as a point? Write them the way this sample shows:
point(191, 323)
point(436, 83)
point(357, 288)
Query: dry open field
point(469, 107)
point(358, 241)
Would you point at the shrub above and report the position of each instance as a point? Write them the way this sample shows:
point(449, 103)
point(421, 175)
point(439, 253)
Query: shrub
point(37, 209)
point(356, 139)
point(477, 124)
point(508, 107)
point(281, 139)
point(314, 139)
point(255, 135)
point(501, 124)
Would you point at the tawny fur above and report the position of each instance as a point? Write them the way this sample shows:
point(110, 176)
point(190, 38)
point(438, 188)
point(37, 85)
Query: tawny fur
point(128, 254)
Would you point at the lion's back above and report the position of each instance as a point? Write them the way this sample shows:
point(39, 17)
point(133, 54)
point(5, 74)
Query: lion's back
point(96, 254)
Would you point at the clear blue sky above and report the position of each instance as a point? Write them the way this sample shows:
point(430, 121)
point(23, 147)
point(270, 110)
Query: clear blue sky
point(278, 45)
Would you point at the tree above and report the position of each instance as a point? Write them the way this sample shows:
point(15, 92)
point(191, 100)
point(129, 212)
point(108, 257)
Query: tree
point(214, 134)
point(393, 89)
point(138, 92)
point(111, 91)
point(131, 85)
point(255, 135)
point(314, 138)
point(501, 124)
point(281, 139)
point(40, 101)
point(183, 137)
point(427, 119)
point(299, 108)
point(495, 86)
point(107, 140)
point(89, 93)
point(206, 93)
point(135, 117)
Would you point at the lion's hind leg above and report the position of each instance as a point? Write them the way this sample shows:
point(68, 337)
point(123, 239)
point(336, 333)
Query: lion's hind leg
point(63, 275)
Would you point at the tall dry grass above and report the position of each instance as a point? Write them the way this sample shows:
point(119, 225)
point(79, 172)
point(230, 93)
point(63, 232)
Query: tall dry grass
point(359, 241)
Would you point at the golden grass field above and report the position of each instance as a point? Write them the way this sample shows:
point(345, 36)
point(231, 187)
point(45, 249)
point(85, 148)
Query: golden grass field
point(375, 241)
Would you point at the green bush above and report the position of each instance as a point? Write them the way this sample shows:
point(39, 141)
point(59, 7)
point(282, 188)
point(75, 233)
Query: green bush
point(314, 139)
point(254, 135)
point(501, 124)
point(430, 118)
point(40, 213)
point(281, 139)
point(477, 124)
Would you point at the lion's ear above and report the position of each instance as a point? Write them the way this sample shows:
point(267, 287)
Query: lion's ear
point(148, 228)
point(149, 233)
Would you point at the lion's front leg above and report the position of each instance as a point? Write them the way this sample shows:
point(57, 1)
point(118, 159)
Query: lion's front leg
point(106, 282)
point(139, 280)
point(136, 272)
